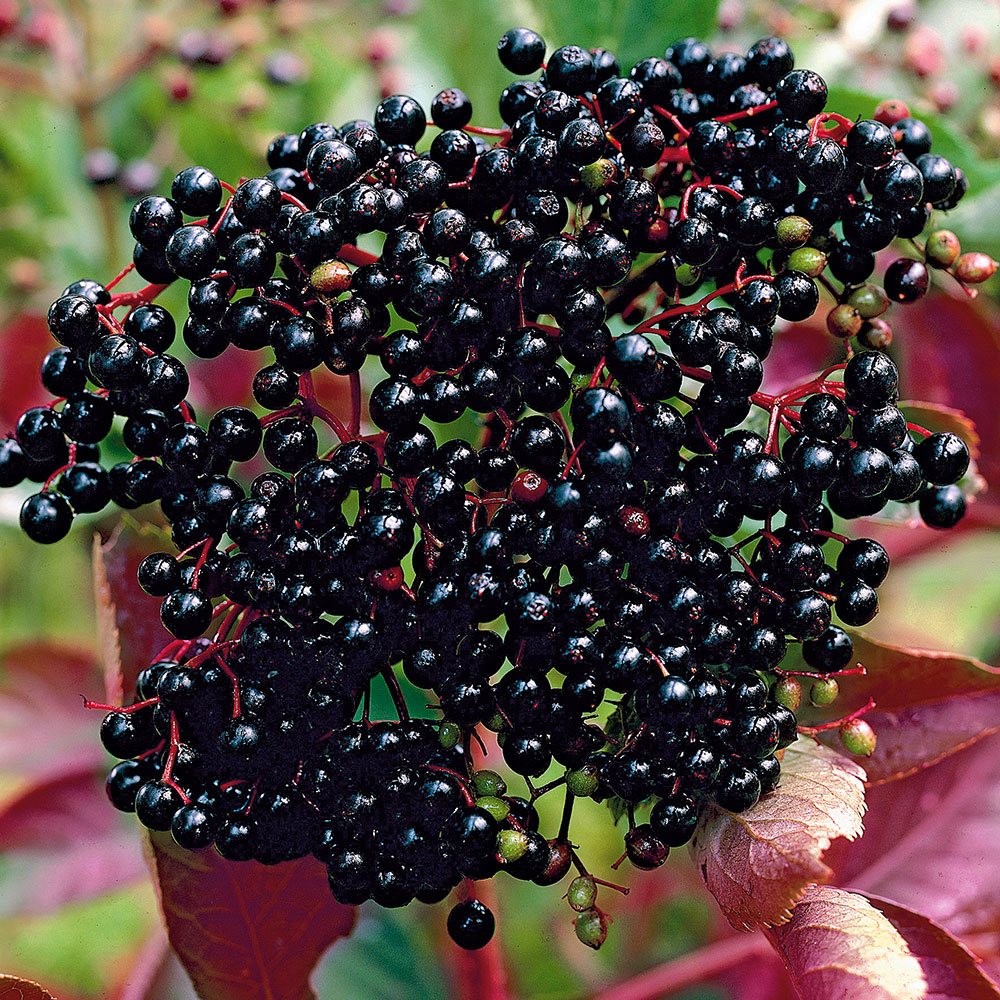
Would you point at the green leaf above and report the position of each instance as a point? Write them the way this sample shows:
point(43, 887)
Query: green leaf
point(464, 55)
point(633, 29)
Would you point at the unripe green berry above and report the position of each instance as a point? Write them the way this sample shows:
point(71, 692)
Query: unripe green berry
point(488, 783)
point(331, 277)
point(511, 845)
point(591, 927)
point(687, 275)
point(582, 893)
point(582, 783)
point(869, 300)
point(858, 737)
point(788, 692)
point(449, 735)
point(942, 248)
point(843, 321)
point(496, 807)
point(808, 260)
point(973, 268)
point(876, 334)
point(793, 231)
point(824, 692)
point(599, 176)
point(495, 723)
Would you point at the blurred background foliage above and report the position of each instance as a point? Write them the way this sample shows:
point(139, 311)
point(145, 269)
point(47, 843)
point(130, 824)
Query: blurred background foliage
point(103, 100)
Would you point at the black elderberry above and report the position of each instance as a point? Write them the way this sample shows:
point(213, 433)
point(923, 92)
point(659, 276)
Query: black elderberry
point(196, 191)
point(155, 804)
point(941, 506)
point(471, 924)
point(943, 458)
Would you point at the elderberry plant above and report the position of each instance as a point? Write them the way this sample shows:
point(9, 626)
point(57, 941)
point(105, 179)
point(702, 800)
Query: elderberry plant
point(609, 573)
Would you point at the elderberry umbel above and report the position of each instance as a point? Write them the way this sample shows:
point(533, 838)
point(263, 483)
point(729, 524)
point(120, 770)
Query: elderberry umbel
point(609, 571)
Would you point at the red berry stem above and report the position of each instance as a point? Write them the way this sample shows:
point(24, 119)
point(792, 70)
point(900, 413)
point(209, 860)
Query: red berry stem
point(837, 723)
point(355, 384)
point(125, 710)
point(858, 671)
point(118, 277)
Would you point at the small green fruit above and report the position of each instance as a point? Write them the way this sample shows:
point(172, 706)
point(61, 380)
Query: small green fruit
point(793, 231)
point(592, 927)
point(582, 783)
point(788, 692)
point(858, 737)
point(449, 735)
point(824, 692)
point(808, 260)
point(496, 807)
point(489, 783)
point(582, 893)
point(511, 845)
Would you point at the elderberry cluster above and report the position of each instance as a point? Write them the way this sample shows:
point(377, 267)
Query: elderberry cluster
point(608, 573)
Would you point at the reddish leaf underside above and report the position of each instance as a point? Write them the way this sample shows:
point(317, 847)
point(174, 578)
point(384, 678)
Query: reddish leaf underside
point(24, 342)
point(942, 861)
point(128, 620)
point(13, 988)
point(948, 351)
point(42, 722)
point(951, 970)
point(929, 704)
point(245, 931)
point(842, 946)
point(70, 845)
point(758, 863)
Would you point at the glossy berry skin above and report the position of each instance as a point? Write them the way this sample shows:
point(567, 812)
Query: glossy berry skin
point(196, 191)
point(570, 69)
point(46, 517)
point(941, 506)
point(870, 143)
point(152, 221)
point(871, 378)
point(943, 458)
point(123, 784)
point(737, 788)
point(829, 652)
point(400, 120)
point(906, 280)
point(674, 822)
point(801, 94)
point(191, 252)
point(521, 50)
point(156, 803)
point(158, 574)
point(471, 924)
point(192, 827)
point(186, 613)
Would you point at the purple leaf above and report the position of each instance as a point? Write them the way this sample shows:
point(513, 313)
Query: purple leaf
point(246, 931)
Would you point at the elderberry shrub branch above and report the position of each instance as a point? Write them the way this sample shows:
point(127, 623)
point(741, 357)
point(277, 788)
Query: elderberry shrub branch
point(574, 580)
